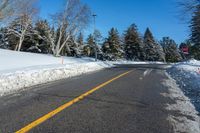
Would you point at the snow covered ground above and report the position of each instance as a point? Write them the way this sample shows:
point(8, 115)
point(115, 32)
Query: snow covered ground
point(187, 76)
point(133, 62)
point(12, 61)
point(183, 117)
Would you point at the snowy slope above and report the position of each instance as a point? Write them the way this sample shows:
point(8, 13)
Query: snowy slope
point(187, 75)
point(13, 60)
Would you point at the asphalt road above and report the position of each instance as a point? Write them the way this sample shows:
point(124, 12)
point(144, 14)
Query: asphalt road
point(131, 103)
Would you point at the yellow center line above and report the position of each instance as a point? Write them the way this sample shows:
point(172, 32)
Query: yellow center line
point(66, 105)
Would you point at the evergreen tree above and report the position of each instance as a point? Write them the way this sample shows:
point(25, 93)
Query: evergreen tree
point(153, 50)
point(97, 37)
point(38, 41)
point(4, 40)
point(89, 48)
point(195, 35)
point(112, 47)
point(161, 53)
point(171, 51)
point(195, 50)
point(74, 47)
point(98, 41)
point(80, 44)
point(80, 39)
point(195, 26)
point(133, 44)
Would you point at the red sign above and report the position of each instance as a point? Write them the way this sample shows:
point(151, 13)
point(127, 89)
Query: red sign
point(185, 50)
point(198, 70)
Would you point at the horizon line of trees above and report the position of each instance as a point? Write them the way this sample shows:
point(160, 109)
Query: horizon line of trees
point(131, 45)
point(62, 35)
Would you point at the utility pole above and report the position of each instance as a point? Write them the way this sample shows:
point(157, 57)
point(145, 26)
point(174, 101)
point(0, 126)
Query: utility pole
point(95, 45)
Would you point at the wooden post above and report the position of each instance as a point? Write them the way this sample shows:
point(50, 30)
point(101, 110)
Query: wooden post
point(62, 60)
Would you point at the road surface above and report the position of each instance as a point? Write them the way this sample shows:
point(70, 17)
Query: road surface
point(124, 99)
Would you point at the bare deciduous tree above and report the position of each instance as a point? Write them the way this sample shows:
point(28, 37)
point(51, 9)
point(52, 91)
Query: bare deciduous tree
point(6, 9)
point(24, 14)
point(187, 7)
point(73, 18)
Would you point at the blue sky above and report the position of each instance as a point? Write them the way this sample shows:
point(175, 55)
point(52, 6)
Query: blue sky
point(161, 16)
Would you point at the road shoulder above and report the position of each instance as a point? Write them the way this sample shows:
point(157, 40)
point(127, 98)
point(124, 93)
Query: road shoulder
point(184, 117)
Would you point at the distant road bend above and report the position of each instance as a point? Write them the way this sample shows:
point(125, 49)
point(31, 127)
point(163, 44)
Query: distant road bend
point(124, 99)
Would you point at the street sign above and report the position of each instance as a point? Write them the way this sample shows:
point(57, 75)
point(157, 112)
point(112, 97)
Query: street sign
point(185, 50)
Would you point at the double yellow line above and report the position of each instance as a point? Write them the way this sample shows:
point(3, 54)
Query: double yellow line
point(66, 105)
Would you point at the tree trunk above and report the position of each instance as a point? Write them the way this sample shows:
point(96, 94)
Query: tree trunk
point(16, 47)
point(20, 43)
point(21, 39)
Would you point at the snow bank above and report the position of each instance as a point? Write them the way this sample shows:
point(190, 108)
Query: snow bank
point(184, 118)
point(187, 76)
point(134, 62)
point(12, 82)
point(191, 66)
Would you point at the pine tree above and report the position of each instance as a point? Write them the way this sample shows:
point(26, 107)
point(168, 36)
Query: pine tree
point(171, 51)
point(195, 35)
point(97, 37)
point(112, 47)
point(80, 44)
point(133, 44)
point(161, 53)
point(73, 46)
point(4, 42)
point(89, 48)
point(152, 49)
point(195, 26)
point(80, 39)
point(38, 38)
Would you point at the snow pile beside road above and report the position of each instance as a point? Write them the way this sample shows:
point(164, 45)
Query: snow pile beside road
point(12, 82)
point(134, 62)
point(191, 66)
point(19, 70)
point(184, 118)
point(187, 76)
